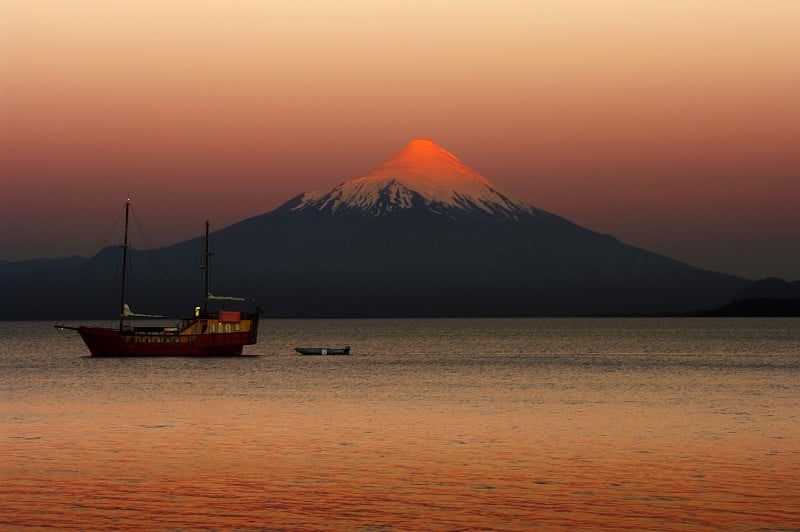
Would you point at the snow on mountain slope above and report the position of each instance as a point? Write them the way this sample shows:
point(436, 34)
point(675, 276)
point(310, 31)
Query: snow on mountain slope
point(422, 174)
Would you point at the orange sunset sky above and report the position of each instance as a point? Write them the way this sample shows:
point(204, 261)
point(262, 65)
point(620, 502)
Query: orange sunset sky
point(673, 125)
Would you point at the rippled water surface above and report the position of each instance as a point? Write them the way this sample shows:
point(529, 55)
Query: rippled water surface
point(678, 424)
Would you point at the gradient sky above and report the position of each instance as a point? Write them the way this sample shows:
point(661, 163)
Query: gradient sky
point(674, 126)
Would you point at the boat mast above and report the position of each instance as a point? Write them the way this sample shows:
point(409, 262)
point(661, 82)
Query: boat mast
point(124, 266)
point(205, 271)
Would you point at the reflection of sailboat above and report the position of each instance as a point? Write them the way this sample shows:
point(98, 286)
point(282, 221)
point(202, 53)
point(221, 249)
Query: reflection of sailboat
point(207, 333)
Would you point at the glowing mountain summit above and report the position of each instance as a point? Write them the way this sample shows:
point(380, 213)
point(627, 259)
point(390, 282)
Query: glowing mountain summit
point(422, 175)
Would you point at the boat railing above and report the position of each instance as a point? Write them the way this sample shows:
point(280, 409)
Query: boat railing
point(150, 330)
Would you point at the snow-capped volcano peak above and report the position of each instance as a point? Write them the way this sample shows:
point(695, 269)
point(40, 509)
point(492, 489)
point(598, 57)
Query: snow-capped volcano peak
point(424, 165)
point(423, 174)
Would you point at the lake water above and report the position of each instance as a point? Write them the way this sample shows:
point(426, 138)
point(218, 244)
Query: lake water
point(502, 424)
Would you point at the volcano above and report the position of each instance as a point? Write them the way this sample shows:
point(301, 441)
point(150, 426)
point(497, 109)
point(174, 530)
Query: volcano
point(423, 175)
point(422, 234)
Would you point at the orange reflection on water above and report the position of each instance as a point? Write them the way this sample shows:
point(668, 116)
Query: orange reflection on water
point(235, 464)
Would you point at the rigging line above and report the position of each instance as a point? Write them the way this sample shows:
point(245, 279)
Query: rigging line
point(221, 275)
point(214, 267)
point(149, 250)
point(242, 280)
point(117, 278)
point(198, 252)
point(89, 268)
point(219, 288)
point(115, 227)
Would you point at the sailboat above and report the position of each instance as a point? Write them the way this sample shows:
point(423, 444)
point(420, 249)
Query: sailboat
point(206, 333)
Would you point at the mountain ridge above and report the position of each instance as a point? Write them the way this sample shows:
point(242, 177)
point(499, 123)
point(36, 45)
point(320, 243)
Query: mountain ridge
point(420, 235)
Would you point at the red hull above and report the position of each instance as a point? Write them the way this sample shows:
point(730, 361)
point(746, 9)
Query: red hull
point(113, 343)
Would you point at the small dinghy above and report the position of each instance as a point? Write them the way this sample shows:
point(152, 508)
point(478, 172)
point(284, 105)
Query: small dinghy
point(323, 350)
